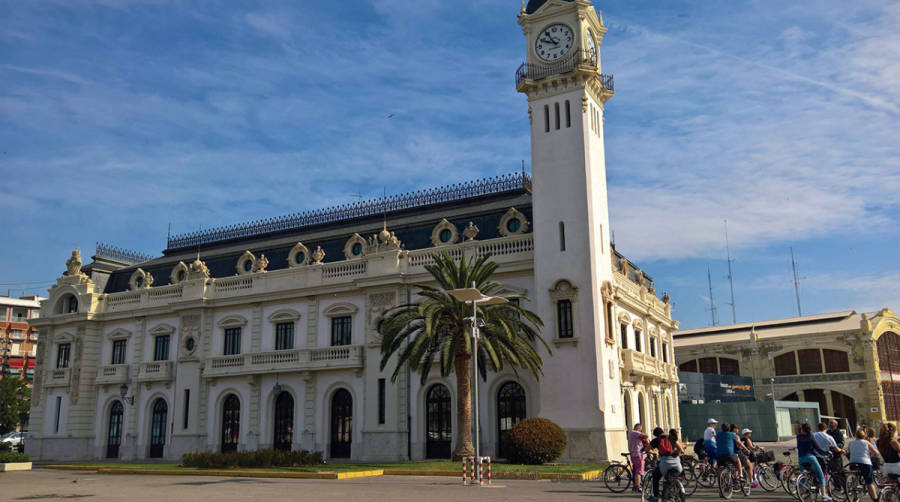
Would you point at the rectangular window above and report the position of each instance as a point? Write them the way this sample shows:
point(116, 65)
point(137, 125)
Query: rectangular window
point(58, 410)
point(62, 355)
point(118, 352)
point(665, 352)
point(785, 364)
point(564, 319)
point(728, 366)
point(623, 331)
point(652, 347)
point(709, 365)
point(562, 236)
point(187, 407)
point(690, 366)
point(517, 303)
point(556, 109)
point(232, 341)
point(161, 348)
point(284, 336)
point(810, 361)
point(836, 361)
point(381, 400)
point(546, 118)
point(568, 114)
point(341, 330)
point(637, 339)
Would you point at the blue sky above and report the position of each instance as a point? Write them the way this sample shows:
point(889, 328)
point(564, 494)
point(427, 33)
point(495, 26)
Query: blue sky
point(120, 117)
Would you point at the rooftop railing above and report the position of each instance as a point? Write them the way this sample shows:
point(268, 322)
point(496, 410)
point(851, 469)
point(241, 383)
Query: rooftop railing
point(120, 254)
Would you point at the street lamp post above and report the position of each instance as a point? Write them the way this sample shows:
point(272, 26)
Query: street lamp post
point(475, 297)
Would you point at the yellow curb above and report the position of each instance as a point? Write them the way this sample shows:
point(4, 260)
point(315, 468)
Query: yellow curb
point(414, 472)
point(72, 467)
point(360, 474)
point(220, 472)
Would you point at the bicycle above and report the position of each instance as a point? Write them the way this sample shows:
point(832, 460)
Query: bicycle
point(785, 472)
point(763, 472)
point(730, 482)
point(704, 473)
point(891, 491)
point(855, 486)
point(807, 486)
point(618, 477)
point(672, 489)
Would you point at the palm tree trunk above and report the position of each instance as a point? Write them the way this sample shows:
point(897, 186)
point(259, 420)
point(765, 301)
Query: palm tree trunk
point(464, 447)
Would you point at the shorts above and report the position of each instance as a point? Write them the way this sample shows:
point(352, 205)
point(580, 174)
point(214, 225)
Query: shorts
point(865, 470)
point(638, 463)
point(892, 469)
point(726, 459)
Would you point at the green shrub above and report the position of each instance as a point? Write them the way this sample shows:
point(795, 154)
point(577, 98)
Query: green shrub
point(535, 441)
point(260, 458)
point(8, 457)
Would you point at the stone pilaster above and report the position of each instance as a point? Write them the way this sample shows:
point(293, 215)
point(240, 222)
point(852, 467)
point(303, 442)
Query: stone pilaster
point(206, 334)
point(312, 321)
point(253, 430)
point(309, 412)
point(256, 328)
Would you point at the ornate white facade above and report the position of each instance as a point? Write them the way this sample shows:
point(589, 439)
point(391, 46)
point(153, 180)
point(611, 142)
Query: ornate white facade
point(265, 335)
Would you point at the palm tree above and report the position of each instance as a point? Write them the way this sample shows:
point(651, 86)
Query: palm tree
point(435, 330)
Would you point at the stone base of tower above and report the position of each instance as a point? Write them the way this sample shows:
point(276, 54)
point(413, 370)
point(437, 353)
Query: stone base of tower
point(594, 445)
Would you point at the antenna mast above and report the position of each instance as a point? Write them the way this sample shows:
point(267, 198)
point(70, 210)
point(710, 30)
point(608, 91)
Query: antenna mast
point(730, 276)
point(712, 303)
point(797, 280)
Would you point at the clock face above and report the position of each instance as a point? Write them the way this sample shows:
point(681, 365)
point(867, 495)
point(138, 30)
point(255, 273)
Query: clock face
point(592, 47)
point(554, 42)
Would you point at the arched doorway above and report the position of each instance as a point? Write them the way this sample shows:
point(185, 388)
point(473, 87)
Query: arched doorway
point(158, 428)
point(629, 423)
point(341, 424)
point(114, 433)
point(231, 423)
point(284, 422)
point(510, 411)
point(438, 428)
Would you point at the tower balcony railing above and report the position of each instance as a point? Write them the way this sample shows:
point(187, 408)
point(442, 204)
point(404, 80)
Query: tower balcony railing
point(577, 59)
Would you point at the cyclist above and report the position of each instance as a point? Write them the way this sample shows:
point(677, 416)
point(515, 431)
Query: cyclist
point(831, 452)
point(669, 449)
point(861, 452)
point(806, 451)
point(726, 444)
point(836, 433)
point(637, 440)
point(889, 448)
point(749, 458)
point(709, 440)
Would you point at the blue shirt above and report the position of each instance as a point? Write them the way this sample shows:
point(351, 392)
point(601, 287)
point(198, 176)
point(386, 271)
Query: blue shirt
point(725, 443)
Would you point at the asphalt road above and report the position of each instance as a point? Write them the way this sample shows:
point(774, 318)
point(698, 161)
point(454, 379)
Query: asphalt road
point(41, 484)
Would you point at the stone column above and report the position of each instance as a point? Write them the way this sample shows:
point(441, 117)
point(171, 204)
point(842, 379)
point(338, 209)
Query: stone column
point(256, 328)
point(309, 413)
point(129, 441)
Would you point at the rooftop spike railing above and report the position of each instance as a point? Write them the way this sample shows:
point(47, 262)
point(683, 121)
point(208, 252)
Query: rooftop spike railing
point(120, 254)
point(381, 205)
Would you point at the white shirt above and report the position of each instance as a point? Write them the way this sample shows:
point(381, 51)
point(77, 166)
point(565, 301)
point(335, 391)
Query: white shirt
point(709, 434)
point(824, 441)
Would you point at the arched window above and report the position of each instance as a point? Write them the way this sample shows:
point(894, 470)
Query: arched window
point(786, 364)
point(642, 411)
point(510, 411)
point(728, 366)
point(556, 108)
point(67, 304)
point(438, 429)
point(341, 424)
point(889, 362)
point(546, 118)
point(231, 423)
point(668, 411)
point(568, 114)
point(284, 422)
point(114, 433)
point(629, 420)
point(688, 366)
point(656, 416)
point(158, 428)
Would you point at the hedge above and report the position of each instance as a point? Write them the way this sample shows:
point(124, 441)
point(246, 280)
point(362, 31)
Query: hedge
point(260, 458)
point(10, 457)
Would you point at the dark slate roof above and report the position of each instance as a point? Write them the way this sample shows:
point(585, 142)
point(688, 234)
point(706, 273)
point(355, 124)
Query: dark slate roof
point(534, 5)
point(413, 235)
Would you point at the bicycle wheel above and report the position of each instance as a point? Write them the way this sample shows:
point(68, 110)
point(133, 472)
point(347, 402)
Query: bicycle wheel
point(744, 486)
point(705, 475)
point(617, 478)
point(673, 491)
point(785, 476)
point(792, 482)
point(837, 487)
point(646, 488)
point(765, 475)
point(807, 488)
point(726, 483)
point(688, 483)
point(854, 487)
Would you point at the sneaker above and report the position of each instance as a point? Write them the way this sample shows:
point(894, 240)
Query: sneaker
point(826, 498)
point(754, 485)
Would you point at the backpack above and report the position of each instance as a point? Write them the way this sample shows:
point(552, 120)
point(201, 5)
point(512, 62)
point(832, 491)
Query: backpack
point(664, 445)
point(700, 447)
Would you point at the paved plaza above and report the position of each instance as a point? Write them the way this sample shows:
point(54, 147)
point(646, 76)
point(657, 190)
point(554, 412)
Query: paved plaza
point(42, 484)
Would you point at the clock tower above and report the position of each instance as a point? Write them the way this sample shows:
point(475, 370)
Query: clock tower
point(567, 92)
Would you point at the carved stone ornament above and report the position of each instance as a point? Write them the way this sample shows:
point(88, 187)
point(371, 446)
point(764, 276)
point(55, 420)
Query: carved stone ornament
point(606, 290)
point(444, 234)
point(563, 290)
point(507, 226)
point(470, 231)
point(651, 288)
point(242, 266)
point(180, 272)
point(318, 255)
point(261, 264)
point(665, 298)
point(298, 256)
point(198, 270)
point(355, 247)
point(382, 241)
point(140, 280)
point(73, 264)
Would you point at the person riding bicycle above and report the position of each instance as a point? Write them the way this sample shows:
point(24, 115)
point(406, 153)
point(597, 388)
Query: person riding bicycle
point(889, 447)
point(861, 453)
point(637, 441)
point(669, 450)
point(727, 443)
point(831, 452)
point(709, 440)
point(748, 458)
point(807, 453)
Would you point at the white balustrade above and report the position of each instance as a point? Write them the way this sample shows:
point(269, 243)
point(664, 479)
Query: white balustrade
point(233, 283)
point(350, 356)
point(344, 269)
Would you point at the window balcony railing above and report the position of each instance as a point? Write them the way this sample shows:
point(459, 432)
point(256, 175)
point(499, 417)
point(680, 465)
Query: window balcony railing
point(644, 365)
point(156, 371)
point(579, 59)
point(319, 358)
point(112, 374)
point(58, 377)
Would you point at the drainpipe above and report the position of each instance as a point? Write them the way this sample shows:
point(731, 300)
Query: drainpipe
point(408, 411)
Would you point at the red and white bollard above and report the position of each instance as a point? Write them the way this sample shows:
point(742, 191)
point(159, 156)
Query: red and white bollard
point(474, 468)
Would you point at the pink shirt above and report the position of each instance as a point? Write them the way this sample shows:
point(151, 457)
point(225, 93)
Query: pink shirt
point(634, 443)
